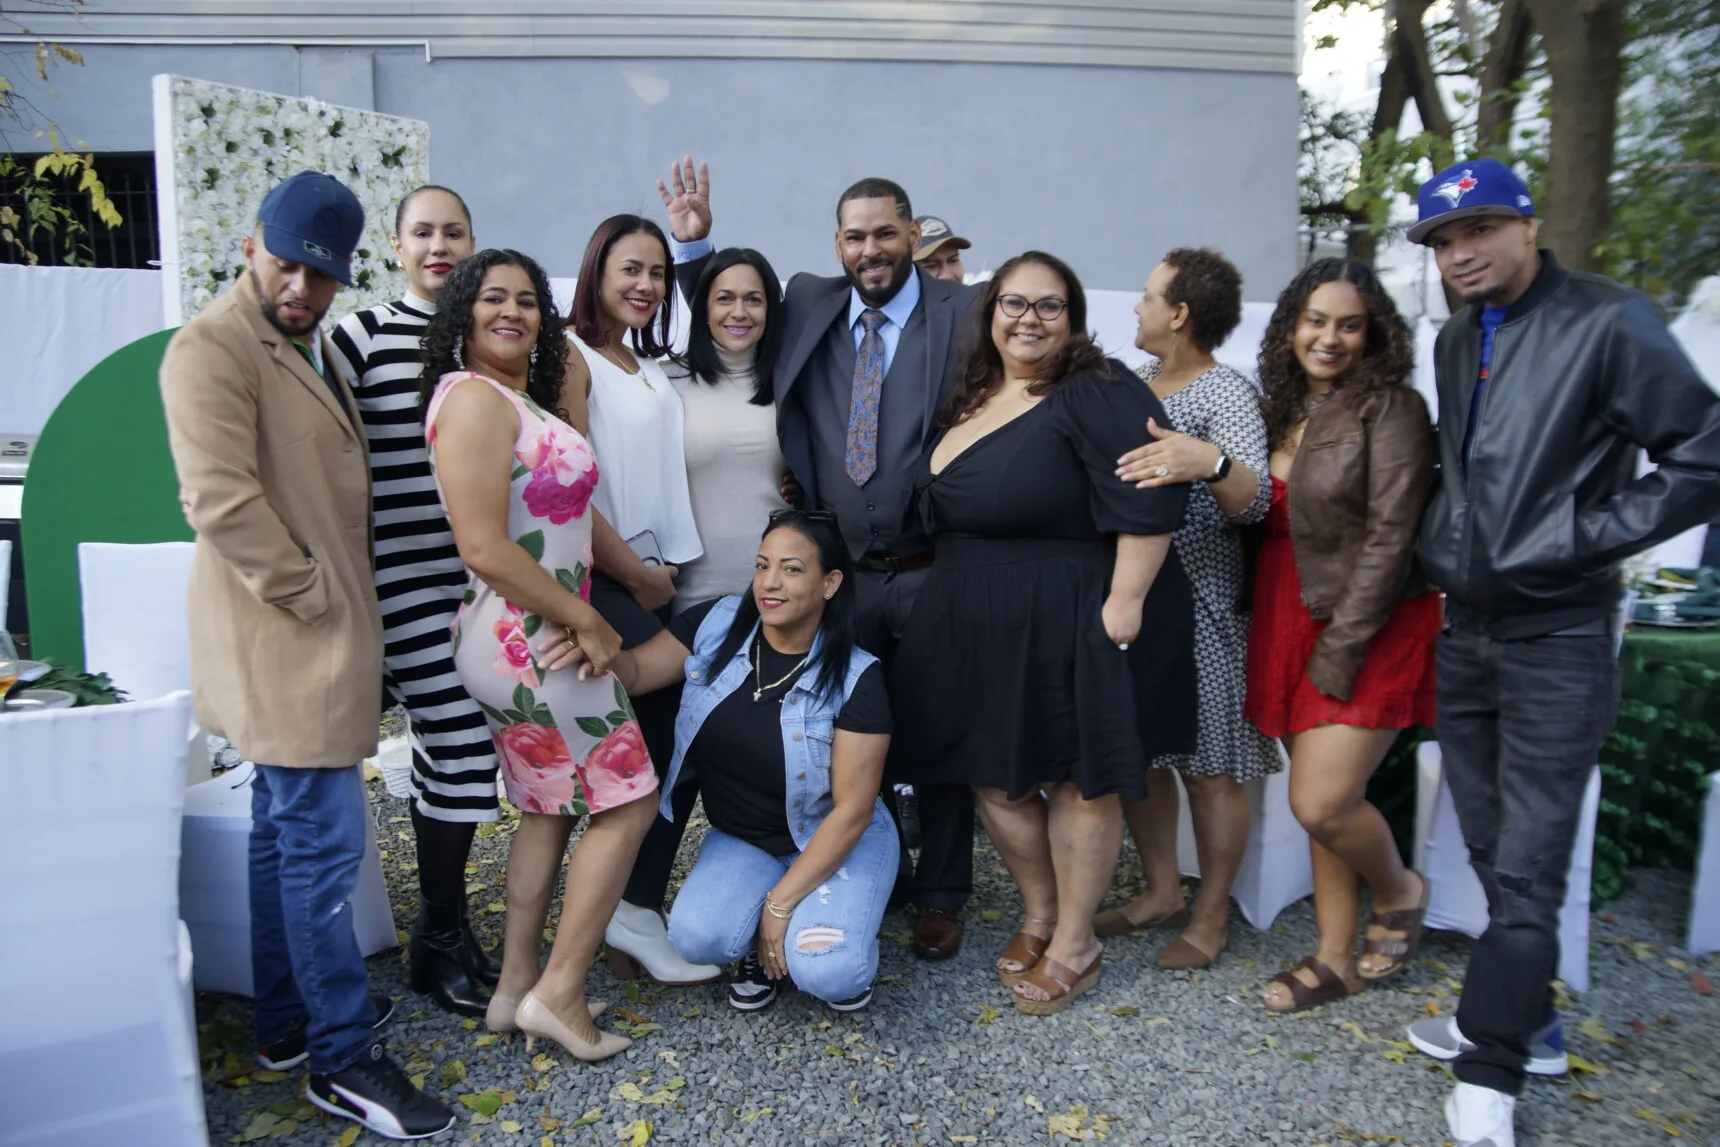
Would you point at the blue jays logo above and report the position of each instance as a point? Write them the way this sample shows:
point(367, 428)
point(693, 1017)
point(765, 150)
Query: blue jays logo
point(1454, 190)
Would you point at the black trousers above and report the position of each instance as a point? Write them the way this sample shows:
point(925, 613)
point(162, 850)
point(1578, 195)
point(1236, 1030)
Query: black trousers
point(648, 883)
point(1520, 725)
point(943, 879)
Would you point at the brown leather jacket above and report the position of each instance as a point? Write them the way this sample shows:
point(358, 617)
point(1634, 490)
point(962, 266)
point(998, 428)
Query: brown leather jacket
point(1357, 490)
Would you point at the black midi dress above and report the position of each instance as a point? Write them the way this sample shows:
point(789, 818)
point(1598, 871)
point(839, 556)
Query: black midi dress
point(1004, 676)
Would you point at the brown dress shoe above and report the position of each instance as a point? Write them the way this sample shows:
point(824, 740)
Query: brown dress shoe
point(937, 934)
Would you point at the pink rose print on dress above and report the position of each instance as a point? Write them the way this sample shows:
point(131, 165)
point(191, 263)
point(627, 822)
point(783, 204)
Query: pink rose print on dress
point(513, 653)
point(619, 769)
point(539, 772)
point(562, 478)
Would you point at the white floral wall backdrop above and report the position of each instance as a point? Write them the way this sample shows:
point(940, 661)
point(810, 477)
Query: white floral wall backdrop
point(218, 151)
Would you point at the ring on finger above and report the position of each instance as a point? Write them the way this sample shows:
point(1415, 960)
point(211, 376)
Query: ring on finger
point(1161, 472)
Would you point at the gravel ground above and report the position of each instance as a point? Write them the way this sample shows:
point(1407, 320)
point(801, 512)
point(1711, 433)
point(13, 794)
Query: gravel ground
point(941, 1057)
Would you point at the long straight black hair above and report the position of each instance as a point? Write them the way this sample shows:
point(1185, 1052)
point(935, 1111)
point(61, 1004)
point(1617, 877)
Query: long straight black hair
point(701, 357)
point(839, 628)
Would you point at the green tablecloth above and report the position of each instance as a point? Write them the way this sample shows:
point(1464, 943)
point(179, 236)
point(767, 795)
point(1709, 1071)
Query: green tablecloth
point(1655, 764)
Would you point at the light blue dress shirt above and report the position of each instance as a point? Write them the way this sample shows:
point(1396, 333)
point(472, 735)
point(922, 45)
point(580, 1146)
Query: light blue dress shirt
point(896, 312)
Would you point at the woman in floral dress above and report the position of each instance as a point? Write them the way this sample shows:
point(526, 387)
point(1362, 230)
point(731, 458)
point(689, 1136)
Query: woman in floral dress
point(517, 482)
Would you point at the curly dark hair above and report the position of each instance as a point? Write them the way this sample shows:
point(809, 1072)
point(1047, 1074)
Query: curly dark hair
point(1388, 357)
point(982, 365)
point(1212, 287)
point(453, 320)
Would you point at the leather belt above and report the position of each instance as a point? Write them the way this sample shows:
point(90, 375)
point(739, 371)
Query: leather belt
point(893, 563)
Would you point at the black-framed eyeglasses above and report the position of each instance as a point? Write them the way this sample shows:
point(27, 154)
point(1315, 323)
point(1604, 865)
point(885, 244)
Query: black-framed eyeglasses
point(1047, 308)
point(810, 515)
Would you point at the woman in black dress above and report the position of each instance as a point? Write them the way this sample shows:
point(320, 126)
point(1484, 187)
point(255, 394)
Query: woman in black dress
point(1036, 665)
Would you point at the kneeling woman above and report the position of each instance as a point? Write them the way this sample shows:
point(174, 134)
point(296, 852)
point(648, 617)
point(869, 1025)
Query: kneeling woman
point(786, 724)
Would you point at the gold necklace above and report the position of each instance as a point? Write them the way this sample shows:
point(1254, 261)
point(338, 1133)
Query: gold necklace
point(638, 370)
point(758, 669)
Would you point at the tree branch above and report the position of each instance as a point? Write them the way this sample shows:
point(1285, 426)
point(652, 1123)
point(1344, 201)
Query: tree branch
point(1501, 69)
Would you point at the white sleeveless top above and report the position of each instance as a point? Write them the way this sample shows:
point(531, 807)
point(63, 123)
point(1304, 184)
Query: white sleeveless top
point(637, 431)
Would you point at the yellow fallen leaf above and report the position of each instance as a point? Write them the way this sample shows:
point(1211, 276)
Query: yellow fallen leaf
point(1033, 1102)
point(546, 1141)
point(635, 1134)
point(1678, 965)
point(991, 915)
point(548, 1123)
point(668, 1057)
point(587, 1119)
point(542, 1062)
point(347, 1137)
point(486, 1039)
point(495, 908)
point(268, 1076)
point(964, 1138)
point(1587, 1096)
point(1595, 1029)
point(987, 1014)
point(1586, 1067)
point(469, 1024)
point(1432, 1007)
point(1394, 1055)
point(512, 1127)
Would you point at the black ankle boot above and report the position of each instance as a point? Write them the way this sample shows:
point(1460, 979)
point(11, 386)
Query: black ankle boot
point(479, 964)
point(438, 961)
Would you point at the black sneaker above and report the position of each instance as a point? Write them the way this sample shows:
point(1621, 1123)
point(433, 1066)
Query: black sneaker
point(857, 1003)
point(376, 1093)
point(751, 990)
point(290, 1050)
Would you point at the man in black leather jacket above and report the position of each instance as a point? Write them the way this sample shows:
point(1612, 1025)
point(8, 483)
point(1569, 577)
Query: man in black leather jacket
point(1550, 383)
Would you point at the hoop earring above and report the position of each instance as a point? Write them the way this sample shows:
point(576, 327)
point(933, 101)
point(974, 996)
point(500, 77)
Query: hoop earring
point(459, 342)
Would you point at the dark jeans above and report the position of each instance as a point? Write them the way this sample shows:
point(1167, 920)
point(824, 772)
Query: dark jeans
point(943, 879)
point(307, 839)
point(1520, 726)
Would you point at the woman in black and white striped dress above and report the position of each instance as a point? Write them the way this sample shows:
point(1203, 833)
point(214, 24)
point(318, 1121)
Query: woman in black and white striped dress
point(419, 583)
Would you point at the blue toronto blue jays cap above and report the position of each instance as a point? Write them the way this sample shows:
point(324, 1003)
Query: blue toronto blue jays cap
point(313, 219)
point(1478, 187)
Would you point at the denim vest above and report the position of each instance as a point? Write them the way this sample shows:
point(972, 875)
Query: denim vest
point(808, 719)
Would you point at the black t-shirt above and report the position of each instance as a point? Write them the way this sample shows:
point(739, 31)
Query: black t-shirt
point(737, 753)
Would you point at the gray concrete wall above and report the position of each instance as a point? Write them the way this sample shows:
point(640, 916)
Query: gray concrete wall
point(1107, 167)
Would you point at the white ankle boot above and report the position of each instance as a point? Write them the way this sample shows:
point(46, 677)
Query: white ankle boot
point(638, 939)
point(1481, 1117)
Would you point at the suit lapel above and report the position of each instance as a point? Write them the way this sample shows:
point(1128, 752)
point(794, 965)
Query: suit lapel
point(825, 309)
point(940, 329)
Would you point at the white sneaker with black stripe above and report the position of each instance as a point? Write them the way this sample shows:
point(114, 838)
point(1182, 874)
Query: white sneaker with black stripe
point(376, 1093)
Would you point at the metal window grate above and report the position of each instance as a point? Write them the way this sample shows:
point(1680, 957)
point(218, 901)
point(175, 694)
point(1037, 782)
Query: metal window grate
point(136, 243)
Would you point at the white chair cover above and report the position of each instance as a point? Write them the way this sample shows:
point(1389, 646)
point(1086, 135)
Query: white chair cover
point(5, 577)
point(1704, 933)
point(1276, 869)
point(215, 890)
point(97, 1034)
point(134, 614)
point(1455, 897)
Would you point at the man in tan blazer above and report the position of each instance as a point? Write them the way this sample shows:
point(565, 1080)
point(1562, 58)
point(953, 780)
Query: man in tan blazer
point(286, 639)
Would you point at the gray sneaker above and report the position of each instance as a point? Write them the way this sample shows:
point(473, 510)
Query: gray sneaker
point(1438, 1036)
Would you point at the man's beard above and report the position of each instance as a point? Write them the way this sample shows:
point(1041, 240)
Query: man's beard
point(903, 269)
point(271, 312)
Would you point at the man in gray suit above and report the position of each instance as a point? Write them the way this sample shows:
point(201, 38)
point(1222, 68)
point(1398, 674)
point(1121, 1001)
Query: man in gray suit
point(868, 359)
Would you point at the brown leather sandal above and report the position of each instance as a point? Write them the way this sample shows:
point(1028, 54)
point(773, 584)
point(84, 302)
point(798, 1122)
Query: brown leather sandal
point(1330, 987)
point(1182, 955)
point(1117, 922)
point(1398, 948)
point(1025, 949)
point(1062, 982)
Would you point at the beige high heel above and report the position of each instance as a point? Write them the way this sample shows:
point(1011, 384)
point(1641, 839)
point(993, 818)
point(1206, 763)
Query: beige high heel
point(535, 1019)
point(499, 1016)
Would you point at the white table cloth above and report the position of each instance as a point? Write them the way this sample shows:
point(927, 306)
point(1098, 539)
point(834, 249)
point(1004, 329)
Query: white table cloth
point(1704, 932)
point(97, 1037)
point(1456, 900)
point(1276, 870)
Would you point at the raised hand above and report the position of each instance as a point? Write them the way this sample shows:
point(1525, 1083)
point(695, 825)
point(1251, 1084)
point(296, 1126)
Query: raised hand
point(1169, 458)
point(687, 198)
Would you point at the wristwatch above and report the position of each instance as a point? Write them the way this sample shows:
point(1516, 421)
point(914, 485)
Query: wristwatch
point(1223, 470)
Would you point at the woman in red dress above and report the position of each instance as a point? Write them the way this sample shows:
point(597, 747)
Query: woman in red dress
point(1340, 654)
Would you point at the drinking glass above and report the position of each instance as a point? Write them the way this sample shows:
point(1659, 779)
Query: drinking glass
point(9, 666)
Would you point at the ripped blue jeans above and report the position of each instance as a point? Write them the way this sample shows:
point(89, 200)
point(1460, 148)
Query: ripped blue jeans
point(833, 935)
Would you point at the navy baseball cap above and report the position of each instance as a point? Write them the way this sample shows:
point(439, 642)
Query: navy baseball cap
point(313, 219)
point(1477, 187)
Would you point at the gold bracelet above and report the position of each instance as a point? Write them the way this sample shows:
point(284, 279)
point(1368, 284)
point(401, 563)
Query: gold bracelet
point(777, 910)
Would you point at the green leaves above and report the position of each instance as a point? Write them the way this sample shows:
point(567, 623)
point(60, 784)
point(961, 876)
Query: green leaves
point(519, 472)
point(532, 544)
point(592, 727)
point(532, 624)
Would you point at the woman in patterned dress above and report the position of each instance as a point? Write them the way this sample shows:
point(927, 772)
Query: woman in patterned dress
point(517, 483)
point(1217, 445)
